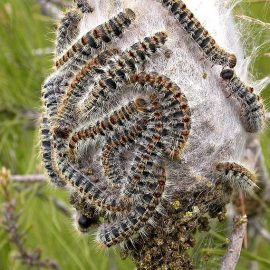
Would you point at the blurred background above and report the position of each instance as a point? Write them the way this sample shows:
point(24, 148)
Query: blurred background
point(35, 222)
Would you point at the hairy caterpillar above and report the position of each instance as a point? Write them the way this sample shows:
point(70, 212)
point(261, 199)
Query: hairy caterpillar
point(199, 34)
point(252, 112)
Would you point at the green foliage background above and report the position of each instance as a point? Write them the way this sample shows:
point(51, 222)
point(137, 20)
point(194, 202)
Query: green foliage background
point(24, 32)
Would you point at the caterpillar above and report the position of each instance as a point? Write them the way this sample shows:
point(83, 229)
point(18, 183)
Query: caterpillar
point(252, 113)
point(238, 176)
point(101, 34)
point(199, 34)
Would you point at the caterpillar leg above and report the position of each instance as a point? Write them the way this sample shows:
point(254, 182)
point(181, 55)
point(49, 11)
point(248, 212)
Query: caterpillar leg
point(252, 111)
point(238, 176)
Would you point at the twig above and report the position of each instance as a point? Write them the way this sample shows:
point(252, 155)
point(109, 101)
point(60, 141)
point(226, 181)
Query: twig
point(231, 259)
point(30, 258)
point(10, 221)
point(254, 156)
point(61, 3)
point(253, 20)
point(60, 205)
point(262, 231)
point(35, 178)
point(254, 159)
point(112, 264)
point(49, 9)
point(256, 1)
point(243, 213)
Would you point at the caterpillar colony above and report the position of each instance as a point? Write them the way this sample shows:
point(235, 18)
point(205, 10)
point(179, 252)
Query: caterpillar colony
point(139, 145)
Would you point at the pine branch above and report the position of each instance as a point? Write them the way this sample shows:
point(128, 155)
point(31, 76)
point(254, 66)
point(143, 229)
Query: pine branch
point(31, 258)
point(231, 258)
point(35, 178)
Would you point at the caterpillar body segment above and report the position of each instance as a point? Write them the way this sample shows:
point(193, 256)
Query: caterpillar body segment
point(94, 39)
point(125, 66)
point(53, 91)
point(252, 111)
point(121, 230)
point(238, 176)
point(199, 34)
point(253, 117)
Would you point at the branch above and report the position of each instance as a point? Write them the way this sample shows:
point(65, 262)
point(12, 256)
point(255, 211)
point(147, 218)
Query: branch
point(60, 205)
point(253, 157)
point(268, 114)
point(35, 178)
point(231, 259)
point(49, 9)
point(61, 3)
point(11, 220)
point(262, 231)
